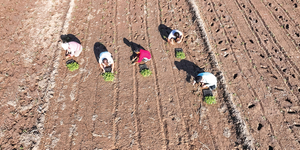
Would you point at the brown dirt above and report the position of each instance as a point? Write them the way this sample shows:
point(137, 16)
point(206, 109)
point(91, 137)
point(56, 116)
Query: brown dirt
point(252, 46)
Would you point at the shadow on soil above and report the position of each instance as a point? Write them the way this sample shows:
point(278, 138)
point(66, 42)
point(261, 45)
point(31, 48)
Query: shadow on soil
point(189, 67)
point(133, 47)
point(164, 31)
point(99, 48)
point(69, 38)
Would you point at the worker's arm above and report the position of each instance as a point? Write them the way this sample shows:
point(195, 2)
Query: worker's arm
point(102, 67)
point(181, 38)
point(112, 67)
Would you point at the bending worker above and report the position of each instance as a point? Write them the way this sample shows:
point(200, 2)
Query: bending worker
point(72, 49)
point(206, 80)
point(142, 56)
point(106, 61)
point(175, 36)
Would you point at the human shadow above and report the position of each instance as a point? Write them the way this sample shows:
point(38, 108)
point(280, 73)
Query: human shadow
point(98, 49)
point(164, 31)
point(133, 47)
point(189, 67)
point(69, 38)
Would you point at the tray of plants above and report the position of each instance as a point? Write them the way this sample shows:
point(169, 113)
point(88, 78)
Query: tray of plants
point(107, 69)
point(143, 66)
point(108, 76)
point(72, 65)
point(144, 70)
point(179, 53)
point(208, 96)
point(207, 92)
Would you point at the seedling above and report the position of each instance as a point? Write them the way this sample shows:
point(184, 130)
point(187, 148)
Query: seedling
point(146, 72)
point(108, 76)
point(180, 55)
point(210, 100)
point(72, 65)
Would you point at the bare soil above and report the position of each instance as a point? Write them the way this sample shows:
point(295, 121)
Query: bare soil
point(252, 46)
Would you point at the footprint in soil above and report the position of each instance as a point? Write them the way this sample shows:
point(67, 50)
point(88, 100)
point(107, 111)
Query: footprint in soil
point(295, 5)
point(270, 4)
point(259, 126)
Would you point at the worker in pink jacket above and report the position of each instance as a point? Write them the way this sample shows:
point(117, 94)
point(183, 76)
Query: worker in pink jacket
point(142, 56)
point(72, 49)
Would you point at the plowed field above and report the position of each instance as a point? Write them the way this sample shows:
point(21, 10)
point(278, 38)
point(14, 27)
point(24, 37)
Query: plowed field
point(252, 46)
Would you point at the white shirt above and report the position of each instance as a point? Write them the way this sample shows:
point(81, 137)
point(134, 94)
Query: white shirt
point(208, 78)
point(106, 55)
point(172, 36)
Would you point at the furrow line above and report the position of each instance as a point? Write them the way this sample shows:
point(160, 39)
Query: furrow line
point(275, 66)
point(286, 31)
point(255, 93)
point(116, 85)
point(135, 93)
point(184, 122)
point(157, 88)
point(248, 53)
point(286, 12)
point(53, 72)
point(238, 64)
point(243, 135)
point(273, 38)
point(80, 81)
point(252, 61)
point(266, 51)
point(97, 86)
point(285, 27)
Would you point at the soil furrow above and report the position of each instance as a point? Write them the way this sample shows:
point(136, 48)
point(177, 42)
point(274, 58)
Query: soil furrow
point(135, 84)
point(148, 86)
point(286, 25)
point(267, 53)
point(116, 85)
point(244, 138)
point(268, 84)
point(281, 49)
point(172, 114)
point(104, 115)
point(127, 135)
point(291, 9)
point(261, 103)
point(45, 142)
point(192, 128)
point(240, 64)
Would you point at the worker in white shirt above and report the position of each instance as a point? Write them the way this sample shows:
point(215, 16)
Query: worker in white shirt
point(206, 80)
point(106, 60)
point(175, 37)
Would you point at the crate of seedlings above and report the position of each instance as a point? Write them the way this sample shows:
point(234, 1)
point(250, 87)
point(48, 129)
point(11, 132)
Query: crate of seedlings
point(108, 76)
point(179, 53)
point(107, 69)
point(72, 65)
point(208, 96)
point(144, 70)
